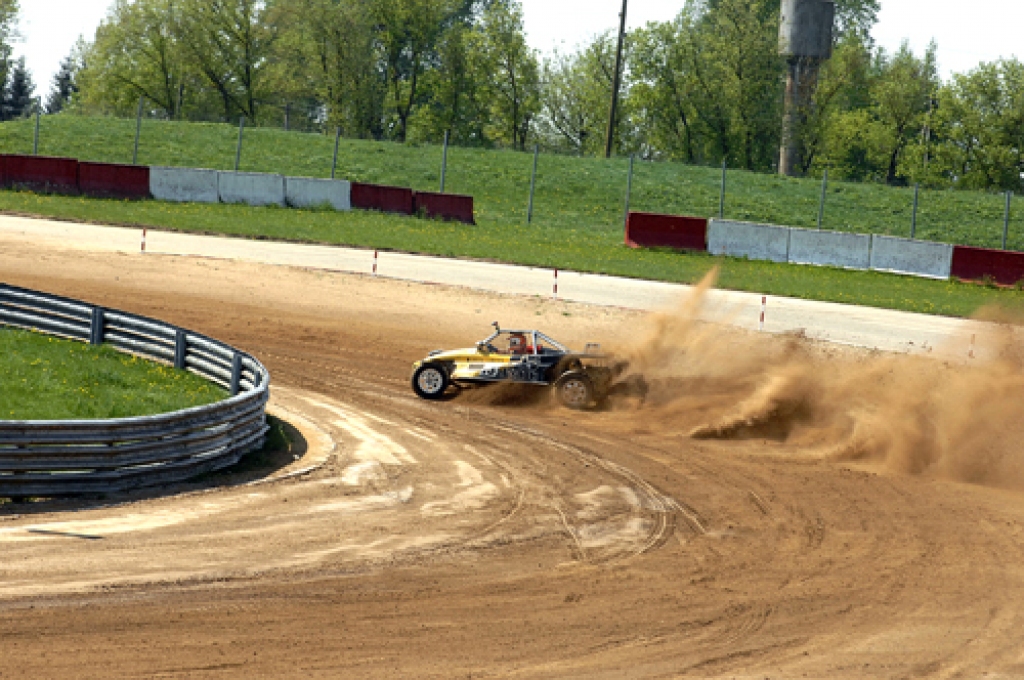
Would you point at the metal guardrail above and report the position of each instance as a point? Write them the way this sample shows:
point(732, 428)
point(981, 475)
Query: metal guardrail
point(61, 458)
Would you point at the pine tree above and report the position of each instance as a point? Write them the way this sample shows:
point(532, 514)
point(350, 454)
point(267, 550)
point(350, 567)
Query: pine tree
point(18, 99)
point(64, 86)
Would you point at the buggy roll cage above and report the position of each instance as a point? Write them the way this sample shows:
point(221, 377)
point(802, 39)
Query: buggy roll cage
point(535, 335)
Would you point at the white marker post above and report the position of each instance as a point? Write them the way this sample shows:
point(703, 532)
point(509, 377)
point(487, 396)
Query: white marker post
point(554, 292)
point(143, 241)
point(970, 354)
point(764, 307)
point(375, 255)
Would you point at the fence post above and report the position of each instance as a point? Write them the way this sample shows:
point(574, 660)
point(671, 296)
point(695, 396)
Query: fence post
point(913, 217)
point(337, 141)
point(238, 150)
point(180, 339)
point(236, 374)
point(721, 194)
point(533, 183)
point(96, 327)
point(35, 142)
point(444, 161)
point(1006, 219)
point(138, 132)
point(821, 205)
point(629, 190)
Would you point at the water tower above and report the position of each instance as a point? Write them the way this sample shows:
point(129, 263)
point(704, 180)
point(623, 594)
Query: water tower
point(805, 39)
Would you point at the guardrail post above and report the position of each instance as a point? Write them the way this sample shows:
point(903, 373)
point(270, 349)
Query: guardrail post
point(236, 374)
point(96, 329)
point(179, 348)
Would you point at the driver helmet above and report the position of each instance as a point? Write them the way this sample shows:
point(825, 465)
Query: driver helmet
point(517, 343)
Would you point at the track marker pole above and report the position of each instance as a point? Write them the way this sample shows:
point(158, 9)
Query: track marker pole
point(555, 289)
point(764, 308)
point(375, 255)
point(35, 138)
point(143, 246)
point(971, 353)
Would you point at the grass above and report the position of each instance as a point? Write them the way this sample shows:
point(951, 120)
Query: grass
point(46, 378)
point(578, 208)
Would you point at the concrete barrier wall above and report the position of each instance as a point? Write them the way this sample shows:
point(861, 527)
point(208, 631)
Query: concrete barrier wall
point(41, 173)
point(746, 239)
point(445, 206)
point(830, 248)
point(383, 198)
point(976, 264)
point(184, 185)
point(920, 258)
point(652, 230)
point(304, 192)
point(251, 188)
point(113, 181)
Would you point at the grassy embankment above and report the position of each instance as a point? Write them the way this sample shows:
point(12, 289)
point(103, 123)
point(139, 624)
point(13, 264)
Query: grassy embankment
point(46, 378)
point(578, 213)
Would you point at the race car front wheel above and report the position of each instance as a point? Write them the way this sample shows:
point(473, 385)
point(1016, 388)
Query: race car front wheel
point(430, 381)
point(575, 391)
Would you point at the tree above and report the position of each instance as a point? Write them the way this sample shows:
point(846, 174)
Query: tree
point(19, 95)
point(136, 53)
point(977, 131)
point(408, 33)
point(514, 80)
point(64, 82)
point(8, 32)
point(326, 54)
point(574, 98)
point(230, 43)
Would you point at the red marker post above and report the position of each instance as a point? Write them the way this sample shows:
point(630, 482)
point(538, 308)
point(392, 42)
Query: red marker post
point(764, 307)
point(375, 255)
point(554, 291)
point(143, 241)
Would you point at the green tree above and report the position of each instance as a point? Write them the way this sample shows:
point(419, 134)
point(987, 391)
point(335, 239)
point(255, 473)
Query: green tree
point(19, 95)
point(575, 95)
point(977, 131)
point(514, 74)
point(408, 34)
point(326, 55)
point(135, 54)
point(65, 84)
point(230, 42)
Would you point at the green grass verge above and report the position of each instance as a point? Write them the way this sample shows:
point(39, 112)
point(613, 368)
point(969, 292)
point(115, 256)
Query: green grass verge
point(46, 378)
point(578, 214)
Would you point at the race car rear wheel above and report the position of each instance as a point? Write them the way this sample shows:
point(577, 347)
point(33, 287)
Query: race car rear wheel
point(430, 381)
point(575, 390)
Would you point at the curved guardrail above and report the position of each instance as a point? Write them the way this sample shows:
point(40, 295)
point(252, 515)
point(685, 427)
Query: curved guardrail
point(60, 458)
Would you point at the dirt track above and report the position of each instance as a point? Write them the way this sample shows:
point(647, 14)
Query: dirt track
point(469, 538)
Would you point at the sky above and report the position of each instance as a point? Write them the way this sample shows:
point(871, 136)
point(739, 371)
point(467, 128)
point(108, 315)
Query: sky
point(984, 30)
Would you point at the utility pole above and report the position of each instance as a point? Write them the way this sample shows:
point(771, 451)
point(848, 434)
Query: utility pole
point(616, 84)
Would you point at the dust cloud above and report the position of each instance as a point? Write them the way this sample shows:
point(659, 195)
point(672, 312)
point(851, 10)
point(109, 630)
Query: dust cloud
point(960, 421)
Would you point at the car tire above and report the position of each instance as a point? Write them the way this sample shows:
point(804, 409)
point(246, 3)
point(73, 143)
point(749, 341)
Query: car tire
point(430, 381)
point(575, 390)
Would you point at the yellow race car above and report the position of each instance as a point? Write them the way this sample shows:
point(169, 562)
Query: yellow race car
point(580, 379)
